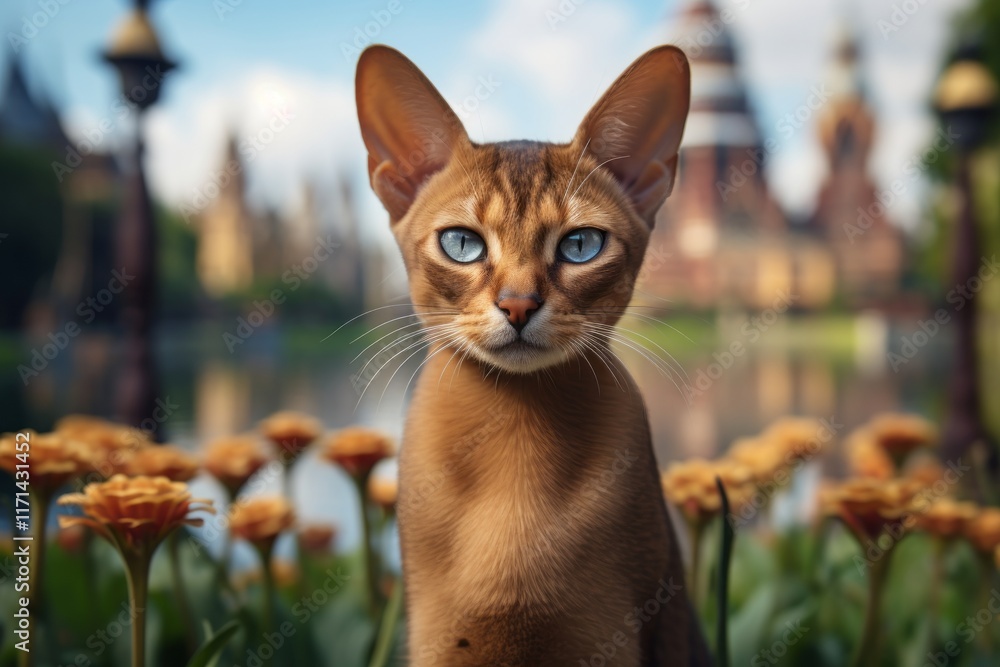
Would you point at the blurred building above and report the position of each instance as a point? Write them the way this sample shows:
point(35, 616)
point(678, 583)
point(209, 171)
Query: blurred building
point(867, 247)
point(238, 245)
point(721, 239)
point(27, 118)
point(225, 230)
point(88, 184)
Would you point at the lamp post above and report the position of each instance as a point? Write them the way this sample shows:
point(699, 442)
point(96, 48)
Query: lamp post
point(135, 52)
point(966, 100)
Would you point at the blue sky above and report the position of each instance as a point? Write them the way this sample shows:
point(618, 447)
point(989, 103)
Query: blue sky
point(243, 66)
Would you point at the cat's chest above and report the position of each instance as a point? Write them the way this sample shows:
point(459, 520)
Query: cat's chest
point(517, 514)
point(512, 542)
point(504, 492)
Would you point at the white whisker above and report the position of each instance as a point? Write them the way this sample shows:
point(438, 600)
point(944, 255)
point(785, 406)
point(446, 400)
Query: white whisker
point(401, 317)
point(610, 159)
point(676, 363)
point(403, 363)
point(575, 167)
point(397, 341)
point(403, 351)
point(369, 312)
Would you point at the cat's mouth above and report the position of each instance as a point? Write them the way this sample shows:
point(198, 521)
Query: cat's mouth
point(520, 355)
point(516, 345)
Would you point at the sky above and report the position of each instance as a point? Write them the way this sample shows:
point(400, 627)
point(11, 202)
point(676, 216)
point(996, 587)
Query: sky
point(251, 65)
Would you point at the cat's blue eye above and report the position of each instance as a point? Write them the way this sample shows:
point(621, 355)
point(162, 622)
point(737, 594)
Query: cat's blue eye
point(462, 245)
point(581, 245)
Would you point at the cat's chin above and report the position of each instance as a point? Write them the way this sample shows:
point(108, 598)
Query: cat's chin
point(521, 357)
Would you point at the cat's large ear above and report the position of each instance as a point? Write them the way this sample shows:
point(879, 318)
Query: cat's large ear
point(635, 129)
point(409, 130)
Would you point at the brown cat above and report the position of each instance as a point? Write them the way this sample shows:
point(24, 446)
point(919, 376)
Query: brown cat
point(532, 522)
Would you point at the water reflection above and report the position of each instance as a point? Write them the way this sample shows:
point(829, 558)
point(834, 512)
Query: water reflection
point(718, 398)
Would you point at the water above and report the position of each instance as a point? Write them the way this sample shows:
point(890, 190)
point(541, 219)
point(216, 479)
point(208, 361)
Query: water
point(789, 368)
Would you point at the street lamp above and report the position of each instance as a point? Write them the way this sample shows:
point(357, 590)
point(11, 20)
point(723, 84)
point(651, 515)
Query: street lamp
point(135, 52)
point(966, 101)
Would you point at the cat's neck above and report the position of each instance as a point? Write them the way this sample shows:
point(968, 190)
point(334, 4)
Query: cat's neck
point(535, 431)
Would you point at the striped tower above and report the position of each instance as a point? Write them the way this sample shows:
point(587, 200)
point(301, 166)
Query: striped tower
point(701, 252)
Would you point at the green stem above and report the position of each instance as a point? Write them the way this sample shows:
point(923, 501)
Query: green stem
point(387, 629)
point(867, 654)
point(36, 596)
point(225, 557)
point(939, 546)
point(695, 533)
point(270, 597)
point(137, 576)
point(987, 567)
point(725, 561)
point(180, 593)
point(371, 571)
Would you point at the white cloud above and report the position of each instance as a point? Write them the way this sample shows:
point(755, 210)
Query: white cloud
point(294, 128)
point(557, 61)
point(786, 48)
point(551, 68)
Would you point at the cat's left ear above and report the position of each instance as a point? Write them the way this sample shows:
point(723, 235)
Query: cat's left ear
point(635, 129)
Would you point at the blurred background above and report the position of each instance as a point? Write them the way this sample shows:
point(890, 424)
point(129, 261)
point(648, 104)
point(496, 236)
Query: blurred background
point(188, 241)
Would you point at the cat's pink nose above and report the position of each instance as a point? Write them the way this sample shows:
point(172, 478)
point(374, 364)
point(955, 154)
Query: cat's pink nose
point(518, 309)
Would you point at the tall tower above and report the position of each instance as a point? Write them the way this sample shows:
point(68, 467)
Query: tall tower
point(849, 215)
point(721, 195)
point(225, 242)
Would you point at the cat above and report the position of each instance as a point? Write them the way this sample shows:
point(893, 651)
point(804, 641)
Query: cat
point(532, 524)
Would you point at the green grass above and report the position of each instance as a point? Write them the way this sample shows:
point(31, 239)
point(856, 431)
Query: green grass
point(691, 336)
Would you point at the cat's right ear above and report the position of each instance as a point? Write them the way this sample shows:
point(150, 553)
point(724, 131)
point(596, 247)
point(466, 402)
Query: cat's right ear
point(409, 130)
point(634, 131)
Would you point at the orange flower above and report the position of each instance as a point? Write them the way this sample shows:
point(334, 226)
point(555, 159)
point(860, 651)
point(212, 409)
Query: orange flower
point(233, 460)
point(284, 572)
point(383, 490)
point(690, 486)
point(291, 431)
point(925, 470)
point(763, 457)
point(134, 513)
point(357, 450)
point(111, 443)
point(315, 538)
point(797, 437)
point(53, 459)
point(161, 461)
point(868, 505)
point(901, 434)
point(947, 518)
point(983, 531)
point(866, 459)
point(260, 520)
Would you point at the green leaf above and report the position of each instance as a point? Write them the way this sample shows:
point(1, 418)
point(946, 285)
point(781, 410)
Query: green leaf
point(748, 628)
point(725, 558)
point(208, 654)
point(386, 637)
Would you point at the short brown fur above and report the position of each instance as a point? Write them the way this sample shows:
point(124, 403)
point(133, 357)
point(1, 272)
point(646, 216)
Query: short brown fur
point(532, 523)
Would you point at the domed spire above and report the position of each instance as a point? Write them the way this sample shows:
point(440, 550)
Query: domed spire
point(845, 79)
point(720, 114)
point(846, 125)
point(702, 33)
